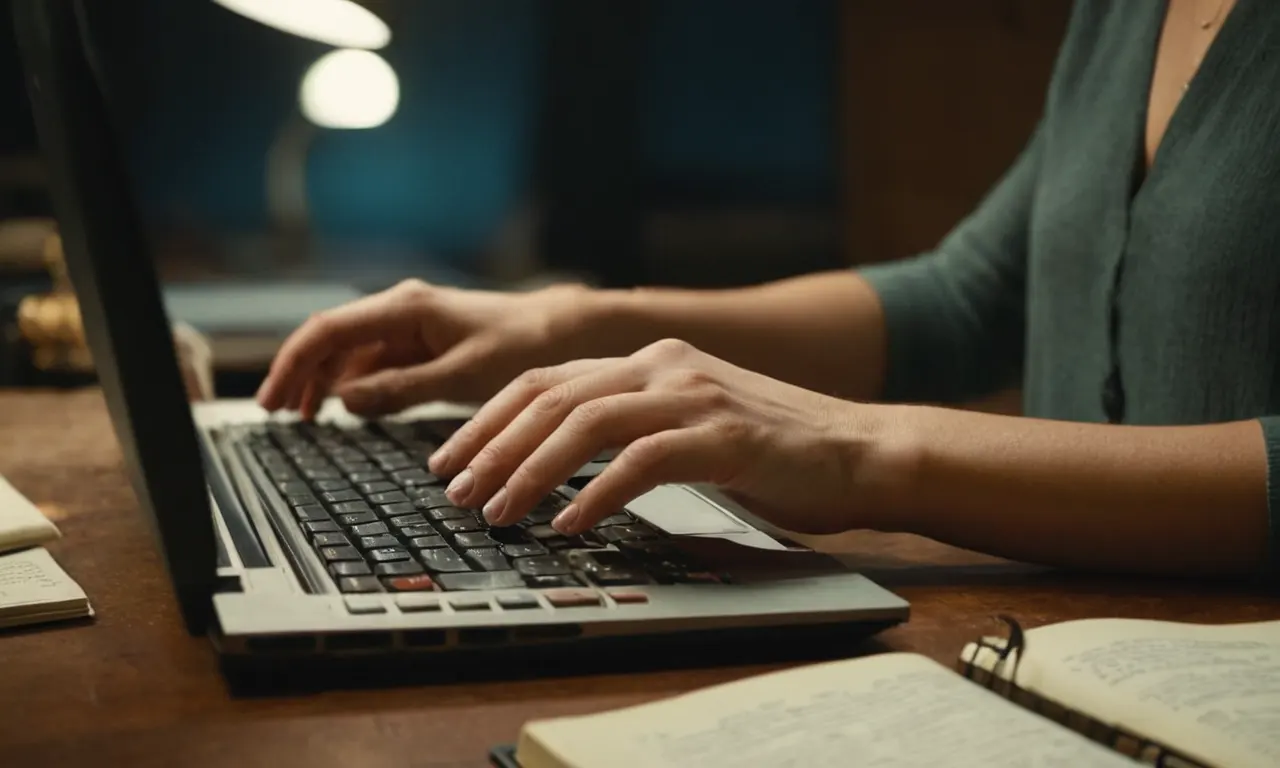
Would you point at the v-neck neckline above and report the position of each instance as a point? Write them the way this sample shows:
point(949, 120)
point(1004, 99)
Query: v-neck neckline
point(1192, 101)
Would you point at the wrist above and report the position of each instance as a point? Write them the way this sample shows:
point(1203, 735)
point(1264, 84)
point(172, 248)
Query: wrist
point(887, 466)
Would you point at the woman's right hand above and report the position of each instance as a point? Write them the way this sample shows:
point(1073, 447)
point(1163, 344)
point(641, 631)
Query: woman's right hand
point(418, 342)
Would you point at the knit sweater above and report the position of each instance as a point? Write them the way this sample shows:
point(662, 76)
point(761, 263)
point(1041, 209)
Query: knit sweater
point(1109, 291)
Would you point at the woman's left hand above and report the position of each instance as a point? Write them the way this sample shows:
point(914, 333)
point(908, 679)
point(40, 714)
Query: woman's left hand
point(801, 460)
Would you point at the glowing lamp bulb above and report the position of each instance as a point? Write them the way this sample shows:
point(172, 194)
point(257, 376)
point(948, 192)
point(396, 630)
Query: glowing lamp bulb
point(350, 88)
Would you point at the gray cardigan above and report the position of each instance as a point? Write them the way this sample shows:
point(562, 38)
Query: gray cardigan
point(1112, 294)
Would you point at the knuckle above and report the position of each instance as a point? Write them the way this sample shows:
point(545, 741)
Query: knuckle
point(669, 349)
point(321, 322)
point(534, 379)
point(695, 381)
point(553, 400)
point(647, 453)
point(412, 288)
point(587, 416)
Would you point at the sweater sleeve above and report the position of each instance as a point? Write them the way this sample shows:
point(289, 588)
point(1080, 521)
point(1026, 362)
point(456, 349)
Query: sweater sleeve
point(955, 317)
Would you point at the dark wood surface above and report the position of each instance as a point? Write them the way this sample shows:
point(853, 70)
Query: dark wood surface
point(131, 688)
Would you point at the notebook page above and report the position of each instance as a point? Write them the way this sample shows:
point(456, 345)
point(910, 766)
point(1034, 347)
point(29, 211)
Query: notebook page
point(1210, 691)
point(893, 710)
point(21, 524)
point(32, 582)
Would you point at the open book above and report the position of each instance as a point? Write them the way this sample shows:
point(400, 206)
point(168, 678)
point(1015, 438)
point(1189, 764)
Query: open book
point(34, 589)
point(21, 523)
point(1107, 692)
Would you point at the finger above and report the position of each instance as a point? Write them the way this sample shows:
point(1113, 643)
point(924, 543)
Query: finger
point(692, 455)
point(500, 410)
point(607, 422)
point(394, 389)
point(317, 389)
point(362, 321)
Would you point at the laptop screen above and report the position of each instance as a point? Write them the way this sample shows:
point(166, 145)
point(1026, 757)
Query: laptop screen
point(110, 266)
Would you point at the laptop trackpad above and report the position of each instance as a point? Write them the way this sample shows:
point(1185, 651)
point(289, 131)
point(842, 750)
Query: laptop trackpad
point(680, 512)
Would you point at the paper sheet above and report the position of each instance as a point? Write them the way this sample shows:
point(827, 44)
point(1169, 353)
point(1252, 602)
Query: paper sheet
point(21, 524)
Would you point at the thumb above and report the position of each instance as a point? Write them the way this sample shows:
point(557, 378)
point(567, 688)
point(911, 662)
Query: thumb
point(390, 390)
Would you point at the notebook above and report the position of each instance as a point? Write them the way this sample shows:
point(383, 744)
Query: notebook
point(21, 524)
point(1105, 692)
point(34, 590)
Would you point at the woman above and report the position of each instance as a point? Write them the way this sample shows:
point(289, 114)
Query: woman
point(1126, 270)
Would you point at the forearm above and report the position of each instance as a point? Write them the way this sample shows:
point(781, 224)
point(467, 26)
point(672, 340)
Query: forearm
point(823, 332)
point(1176, 500)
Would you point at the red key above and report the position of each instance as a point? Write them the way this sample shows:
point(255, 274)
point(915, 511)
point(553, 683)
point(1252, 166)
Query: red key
point(418, 583)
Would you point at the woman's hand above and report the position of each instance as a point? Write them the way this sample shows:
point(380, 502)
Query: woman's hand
point(418, 342)
point(797, 458)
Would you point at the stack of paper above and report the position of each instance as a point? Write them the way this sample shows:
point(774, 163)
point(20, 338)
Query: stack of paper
point(33, 588)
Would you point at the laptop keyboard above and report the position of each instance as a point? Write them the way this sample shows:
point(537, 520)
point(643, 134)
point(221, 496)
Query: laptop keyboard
point(381, 522)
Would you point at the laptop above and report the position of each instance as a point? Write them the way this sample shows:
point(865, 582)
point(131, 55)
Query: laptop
point(328, 541)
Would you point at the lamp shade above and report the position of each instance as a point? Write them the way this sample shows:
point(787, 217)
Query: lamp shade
point(340, 23)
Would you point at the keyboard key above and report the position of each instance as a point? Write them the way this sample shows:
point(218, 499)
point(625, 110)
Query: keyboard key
point(383, 540)
point(359, 584)
point(404, 521)
point(366, 476)
point(615, 520)
point(542, 515)
point(449, 513)
point(551, 582)
point(544, 565)
point(609, 568)
point(364, 604)
point(350, 568)
point(417, 603)
point(470, 603)
point(625, 532)
point(330, 540)
point(301, 499)
point(414, 531)
point(531, 549)
point(476, 581)
point(322, 526)
point(464, 525)
point(370, 529)
point(311, 513)
point(427, 542)
point(401, 568)
point(378, 486)
point(488, 559)
point(397, 508)
point(321, 473)
point(414, 477)
point(571, 598)
point(338, 497)
point(477, 540)
point(509, 534)
point(392, 462)
point(443, 560)
point(350, 508)
point(359, 518)
point(430, 498)
point(334, 554)
point(627, 598)
point(518, 602)
point(389, 554)
point(332, 485)
point(542, 532)
point(290, 487)
point(390, 497)
point(416, 583)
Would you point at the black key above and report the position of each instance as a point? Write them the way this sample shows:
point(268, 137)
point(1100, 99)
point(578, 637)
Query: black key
point(379, 486)
point(389, 554)
point(476, 540)
point(557, 543)
point(615, 520)
point(411, 478)
point(356, 584)
point(340, 497)
point(350, 568)
point(544, 565)
point(464, 525)
point(332, 485)
point(299, 499)
point(370, 529)
point(359, 518)
point(334, 554)
point(517, 602)
point(322, 473)
point(401, 568)
point(389, 497)
point(399, 508)
point(443, 560)
point(290, 487)
point(428, 542)
point(539, 515)
point(475, 581)
point(625, 532)
point(488, 559)
point(404, 521)
point(351, 507)
point(430, 498)
point(414, 531)
point(608, 568)
point(552, 582)
point(523, 550)
point(322, 526)
point(382, 540)
point(365, 476)
point(312, 513)
point(393, 462)
point(542, 532)
point(510, 534)
point(449, 513)
point(330, 540)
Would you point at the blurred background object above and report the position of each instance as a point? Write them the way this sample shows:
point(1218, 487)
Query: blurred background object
point(518, 142)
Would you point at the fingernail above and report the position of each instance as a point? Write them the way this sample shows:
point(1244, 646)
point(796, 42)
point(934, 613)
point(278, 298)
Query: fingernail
point(461, 486)
point(566, 520)
point(493, 510)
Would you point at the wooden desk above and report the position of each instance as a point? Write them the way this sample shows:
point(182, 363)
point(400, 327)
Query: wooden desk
point(131, 688)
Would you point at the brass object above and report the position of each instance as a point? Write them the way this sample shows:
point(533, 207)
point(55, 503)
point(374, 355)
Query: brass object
point(51, 323)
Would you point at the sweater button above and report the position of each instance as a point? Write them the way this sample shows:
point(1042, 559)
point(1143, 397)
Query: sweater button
point(1113, 398)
